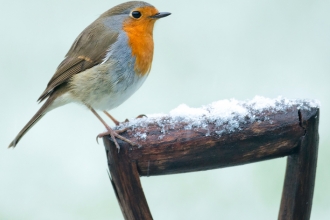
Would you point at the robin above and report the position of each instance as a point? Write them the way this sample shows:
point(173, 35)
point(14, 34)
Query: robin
point(106, 64)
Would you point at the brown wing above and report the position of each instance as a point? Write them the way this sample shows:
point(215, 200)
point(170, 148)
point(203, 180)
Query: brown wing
point(88, 50)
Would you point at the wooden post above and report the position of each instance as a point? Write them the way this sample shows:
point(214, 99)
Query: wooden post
point(182, 150)
point(126, 183)
point(297, 197)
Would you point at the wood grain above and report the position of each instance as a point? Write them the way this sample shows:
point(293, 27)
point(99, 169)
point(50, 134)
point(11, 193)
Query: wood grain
point(298, 190)
point(126, 184)
point(291, 132)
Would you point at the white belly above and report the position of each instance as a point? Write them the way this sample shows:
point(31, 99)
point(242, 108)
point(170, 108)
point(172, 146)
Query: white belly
point(102, 89)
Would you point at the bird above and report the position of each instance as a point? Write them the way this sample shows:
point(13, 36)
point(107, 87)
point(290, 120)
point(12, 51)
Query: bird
point(108, 61)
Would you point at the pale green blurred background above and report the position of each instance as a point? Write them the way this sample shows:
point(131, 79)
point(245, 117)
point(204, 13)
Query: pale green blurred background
point(205, 51)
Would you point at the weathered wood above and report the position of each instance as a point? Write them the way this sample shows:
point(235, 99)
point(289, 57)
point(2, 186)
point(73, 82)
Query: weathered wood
point(181, 150)
point(126, 183)
point(297, 197)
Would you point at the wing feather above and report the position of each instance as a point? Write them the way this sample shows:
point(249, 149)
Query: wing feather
point(88, 50)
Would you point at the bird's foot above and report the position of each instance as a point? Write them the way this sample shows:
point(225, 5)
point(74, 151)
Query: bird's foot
point(139, 116)
point(107, 132)
point(117, 123)
point(114, 135)
point(112, 118)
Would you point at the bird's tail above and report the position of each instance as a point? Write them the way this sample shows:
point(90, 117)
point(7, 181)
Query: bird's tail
point(40, 113)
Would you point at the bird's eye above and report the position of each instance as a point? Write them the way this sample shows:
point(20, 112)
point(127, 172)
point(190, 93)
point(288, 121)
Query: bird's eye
point(136, 14)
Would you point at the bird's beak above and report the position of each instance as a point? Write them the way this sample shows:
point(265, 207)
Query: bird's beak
point(160, 15)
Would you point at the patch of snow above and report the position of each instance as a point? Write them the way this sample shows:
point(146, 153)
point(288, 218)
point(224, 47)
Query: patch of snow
point(226, 115)
point(139, 135)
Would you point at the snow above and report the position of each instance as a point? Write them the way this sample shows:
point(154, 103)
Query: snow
point(225, 115)
point(140, 135)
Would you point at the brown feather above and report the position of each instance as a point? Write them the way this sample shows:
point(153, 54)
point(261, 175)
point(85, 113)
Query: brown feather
point(40, 113)
point(87, 51)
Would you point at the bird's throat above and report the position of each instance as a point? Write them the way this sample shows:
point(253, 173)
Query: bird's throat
point(140, 40)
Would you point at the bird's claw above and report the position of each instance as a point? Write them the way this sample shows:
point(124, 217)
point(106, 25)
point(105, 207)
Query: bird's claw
point(142, 116)
point(139, 116)
point(114, 135)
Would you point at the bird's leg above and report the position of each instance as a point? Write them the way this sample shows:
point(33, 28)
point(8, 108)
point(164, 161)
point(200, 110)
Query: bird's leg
point(117, 122)
point(114, 121)
point(111, 132)
point(112, 118)
point(117, 131)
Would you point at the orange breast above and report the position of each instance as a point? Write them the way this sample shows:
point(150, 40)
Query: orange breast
point(140, 39)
